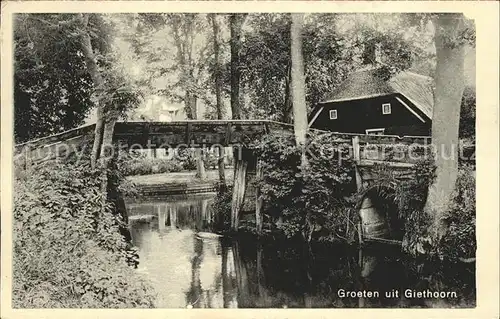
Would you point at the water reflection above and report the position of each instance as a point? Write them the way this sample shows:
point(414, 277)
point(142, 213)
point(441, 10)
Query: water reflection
point(189, 269)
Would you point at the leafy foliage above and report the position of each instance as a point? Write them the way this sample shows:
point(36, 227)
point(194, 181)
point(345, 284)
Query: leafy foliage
point(267, 81)
point(467, 127)
point(333, 46)
point(68, 250)
point(51, 85)
point(306, 200)
point(222, 205)
point(53, 90)
point(182, 42)
point(460, 239)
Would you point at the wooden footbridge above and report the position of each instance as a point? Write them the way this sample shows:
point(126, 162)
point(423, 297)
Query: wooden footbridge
point(397, 153)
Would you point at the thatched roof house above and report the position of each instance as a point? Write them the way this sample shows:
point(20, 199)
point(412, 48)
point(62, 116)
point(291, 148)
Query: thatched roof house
point(372, 101)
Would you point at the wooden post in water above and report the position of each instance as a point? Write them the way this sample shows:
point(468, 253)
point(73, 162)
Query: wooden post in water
point(205, 217)
point(258, 200)
point(359, 180)
point(240, 176)
point(360, 233)
point(161, 216)
point(173, 218)
point(357, 159)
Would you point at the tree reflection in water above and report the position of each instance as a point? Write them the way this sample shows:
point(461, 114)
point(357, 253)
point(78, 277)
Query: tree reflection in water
point(189, 271)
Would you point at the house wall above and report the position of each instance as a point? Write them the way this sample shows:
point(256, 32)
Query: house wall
point(359, 115)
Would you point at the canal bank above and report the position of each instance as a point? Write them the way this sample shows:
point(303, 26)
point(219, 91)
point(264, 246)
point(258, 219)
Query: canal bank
point(180, 185)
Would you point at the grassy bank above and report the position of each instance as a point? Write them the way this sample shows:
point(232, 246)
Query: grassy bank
point(68, 249)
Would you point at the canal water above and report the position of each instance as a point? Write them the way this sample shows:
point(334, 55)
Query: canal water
point(190, 268)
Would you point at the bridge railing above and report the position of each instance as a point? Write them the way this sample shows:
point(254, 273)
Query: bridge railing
point(371, 148)
point(400, 151)
point(58, 145)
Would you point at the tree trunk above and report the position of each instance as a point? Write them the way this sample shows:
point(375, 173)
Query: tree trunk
point(258, 201)
point(218, 91)
point(103, 148)
point(98, 136)
point(93, 70)
point(449, 86)
point(369, 55)
point(287, 110)
point(108, 148)
point(200, 164)
point(298, 85)
point(218, 63)
point(235, 23)
point(183, 40)
point(190, 105)
point(191, 113)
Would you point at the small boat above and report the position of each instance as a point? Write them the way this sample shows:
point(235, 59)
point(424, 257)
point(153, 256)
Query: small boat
point(207, 235)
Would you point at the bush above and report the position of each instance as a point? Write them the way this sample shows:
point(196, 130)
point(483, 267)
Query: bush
point(467, 126)
point(222, 205)
point(68, 249)
point(310, 201)
point(411, 197)
point(459, 241)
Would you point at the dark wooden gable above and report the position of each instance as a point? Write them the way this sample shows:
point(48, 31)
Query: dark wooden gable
point(357, 116)
point(358, 101)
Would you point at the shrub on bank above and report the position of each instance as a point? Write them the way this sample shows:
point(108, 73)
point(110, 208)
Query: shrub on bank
point(459, 241)
point(68, 251)
point(222, 205)
point(313, 203)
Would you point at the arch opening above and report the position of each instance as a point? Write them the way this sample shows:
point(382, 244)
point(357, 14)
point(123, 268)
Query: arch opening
point(379, 214)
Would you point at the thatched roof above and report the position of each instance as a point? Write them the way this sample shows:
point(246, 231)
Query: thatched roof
point(368, 83)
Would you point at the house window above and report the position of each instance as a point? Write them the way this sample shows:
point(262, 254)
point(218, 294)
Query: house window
point(386, 108)
point(375, 131)
point(333, 114)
